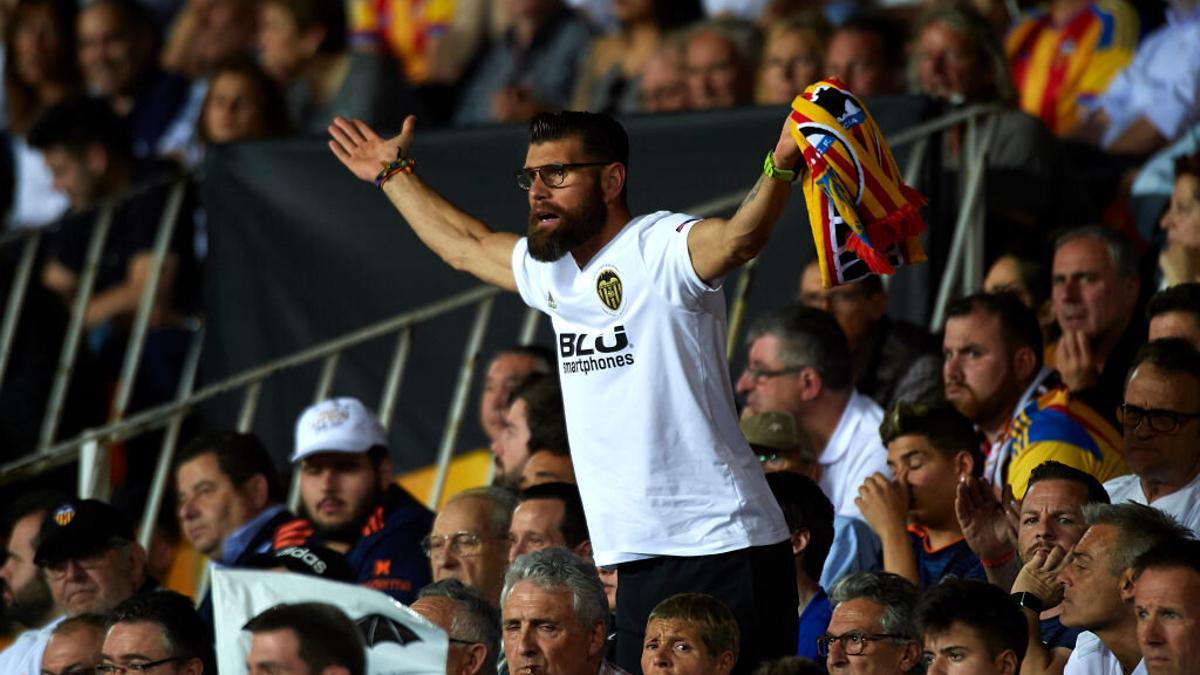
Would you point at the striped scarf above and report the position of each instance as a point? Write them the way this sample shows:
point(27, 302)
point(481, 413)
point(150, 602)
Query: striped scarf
point(864, 219)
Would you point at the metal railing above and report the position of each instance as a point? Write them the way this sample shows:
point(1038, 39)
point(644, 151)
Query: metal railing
point(964, 268)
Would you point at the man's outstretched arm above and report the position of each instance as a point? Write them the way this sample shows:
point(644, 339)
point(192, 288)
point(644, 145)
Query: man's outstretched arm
point(464, 242)
point(718, 246)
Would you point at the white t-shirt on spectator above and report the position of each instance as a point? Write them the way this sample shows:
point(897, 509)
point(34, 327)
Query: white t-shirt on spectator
point(1184, 503)
point(1092, 657)
point(853, 453)
point(24, 655)
point(662, 466)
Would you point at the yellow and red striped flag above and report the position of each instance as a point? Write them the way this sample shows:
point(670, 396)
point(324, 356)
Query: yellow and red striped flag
point(864, 219)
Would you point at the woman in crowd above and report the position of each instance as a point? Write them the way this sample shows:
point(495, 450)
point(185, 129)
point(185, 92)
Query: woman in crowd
point(242, 103)
point(608, 81)
point(40, 70)
point(302, 44)
point(1180, 260)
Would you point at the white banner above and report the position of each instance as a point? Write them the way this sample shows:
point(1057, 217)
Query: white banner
point(399, 641)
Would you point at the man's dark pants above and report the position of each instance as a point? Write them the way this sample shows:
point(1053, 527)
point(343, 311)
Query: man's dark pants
point(758, 584)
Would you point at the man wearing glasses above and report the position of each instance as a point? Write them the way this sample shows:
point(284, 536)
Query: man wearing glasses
point(158, 633)
point(91, 559)
point(871, 630)
point(89, 554)
point(1161, 418)
point(799, 363)
point(673, 494)
point(350, 502)
point(469, 541)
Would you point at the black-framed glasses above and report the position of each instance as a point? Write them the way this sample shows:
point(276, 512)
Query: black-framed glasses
point(760, 375)
point(553, 175)
point(1160, 421)
point(854, 642)
point(113, 669)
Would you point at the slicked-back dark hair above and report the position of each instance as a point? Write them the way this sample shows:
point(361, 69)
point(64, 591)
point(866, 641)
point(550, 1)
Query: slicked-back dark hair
point(948, 431)
point(1184, 554)
point(77, 123)
point(326, 636)
point(978, 605)
point(602, 137)
point(1174, 355)
point(1018, 322)
point(805, 507)
point(810, 338)
point(1178, 298)
point(240, 456)
point(574, 524)
point(1052, 470)
point(544, 412)
point(185, 634)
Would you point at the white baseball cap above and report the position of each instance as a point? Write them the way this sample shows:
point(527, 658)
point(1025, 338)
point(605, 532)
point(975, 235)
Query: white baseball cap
point(337, 425)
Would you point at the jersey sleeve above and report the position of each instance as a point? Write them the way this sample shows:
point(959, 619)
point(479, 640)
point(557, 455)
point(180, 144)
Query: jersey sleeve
point(664, 249)
point(528, 274)
point(1036, 453)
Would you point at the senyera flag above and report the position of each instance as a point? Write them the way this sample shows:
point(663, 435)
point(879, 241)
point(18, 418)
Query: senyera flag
point(864, 219)
point(399, 641)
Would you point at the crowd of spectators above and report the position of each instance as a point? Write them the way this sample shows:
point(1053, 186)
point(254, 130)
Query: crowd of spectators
point(1023, 497)
point(1077, 82)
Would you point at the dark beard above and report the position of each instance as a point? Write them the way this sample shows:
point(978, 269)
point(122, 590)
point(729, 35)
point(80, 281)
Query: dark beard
point(351, 530)
point(574, 227)
point(31, 604)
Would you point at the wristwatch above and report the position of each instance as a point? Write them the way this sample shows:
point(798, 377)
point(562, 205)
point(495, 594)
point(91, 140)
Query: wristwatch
point(772, 171)
point(1028, 600)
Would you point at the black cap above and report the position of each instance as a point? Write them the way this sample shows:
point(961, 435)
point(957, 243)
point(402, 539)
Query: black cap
point(310, 559)
point(80, 527)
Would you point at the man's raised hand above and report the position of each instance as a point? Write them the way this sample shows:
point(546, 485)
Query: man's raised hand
point(986, 522)
point(362, 150)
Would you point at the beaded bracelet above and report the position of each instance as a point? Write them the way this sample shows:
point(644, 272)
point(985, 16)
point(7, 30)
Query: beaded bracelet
point(399, 165)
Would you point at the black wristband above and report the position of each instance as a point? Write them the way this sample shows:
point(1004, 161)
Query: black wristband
point(1030, 601)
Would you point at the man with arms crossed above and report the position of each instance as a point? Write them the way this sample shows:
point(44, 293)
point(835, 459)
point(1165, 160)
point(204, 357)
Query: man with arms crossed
point(673, 494)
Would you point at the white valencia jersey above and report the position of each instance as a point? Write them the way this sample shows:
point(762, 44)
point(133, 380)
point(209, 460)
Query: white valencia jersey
point(662, 466)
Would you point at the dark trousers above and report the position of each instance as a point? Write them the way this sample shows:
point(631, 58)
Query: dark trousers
point(758, 584)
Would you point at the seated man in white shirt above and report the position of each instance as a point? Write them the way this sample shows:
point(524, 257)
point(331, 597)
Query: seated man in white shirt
point(1094, 583)
point(1161, 420)
point(799, 363)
